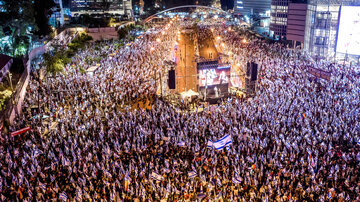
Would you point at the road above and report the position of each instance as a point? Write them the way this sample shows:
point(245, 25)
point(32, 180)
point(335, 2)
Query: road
point(207, 50)
point(191, 73)
point(207, 47)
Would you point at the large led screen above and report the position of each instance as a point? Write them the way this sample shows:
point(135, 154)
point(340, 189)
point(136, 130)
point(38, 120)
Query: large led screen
point(210, 77)
point(348, 40)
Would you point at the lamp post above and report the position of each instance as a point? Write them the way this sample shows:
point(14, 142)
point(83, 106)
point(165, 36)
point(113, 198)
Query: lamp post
point(185, 56)
point(206, 72)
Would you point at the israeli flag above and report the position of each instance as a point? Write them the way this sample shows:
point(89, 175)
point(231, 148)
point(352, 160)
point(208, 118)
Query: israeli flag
point(218, 182)
point(78, 194)
point(156, 176)
point(236, 181)
point(43, 186)
point(192, 174)
point(181, 144)
point(63, 197)
point(223, 142)
point(166, 170)
point(228, 148)
point(209, 144)
point(329, 195)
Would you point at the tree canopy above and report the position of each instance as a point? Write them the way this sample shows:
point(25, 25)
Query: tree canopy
point(20, 21)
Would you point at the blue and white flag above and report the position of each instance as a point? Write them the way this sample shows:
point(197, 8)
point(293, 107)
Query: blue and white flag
point(209, 144)
point(218, 182)
point(228, 148)
point(63, 197)
point(181, 144)
point(192, 174)
point(237, 178)
point(42, 186)
point(223, 142)
point(78, 194)
point(329, 195)
point(236, 181)
point(52, 178)
point(156, 176)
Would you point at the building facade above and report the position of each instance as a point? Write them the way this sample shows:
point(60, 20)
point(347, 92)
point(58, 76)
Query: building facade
point(322, 23)
point(278, 18)
point(122, 7)
point(251, 7)
point(296, 21)
point(57, 17)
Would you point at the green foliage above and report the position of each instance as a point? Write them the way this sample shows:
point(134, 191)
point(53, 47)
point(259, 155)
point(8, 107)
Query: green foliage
point(74, 46)
point(5, 95)
point(122, 33)
point(82, 70)
point(118, 45)
point(54, 63)
point(66, 60)
point(97, 59)
point(78, 43)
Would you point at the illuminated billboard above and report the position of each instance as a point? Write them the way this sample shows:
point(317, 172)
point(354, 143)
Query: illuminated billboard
point(210, 77)
point(348, 36)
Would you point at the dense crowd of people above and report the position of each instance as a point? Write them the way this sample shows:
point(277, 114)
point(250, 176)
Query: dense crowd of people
point(296, 140)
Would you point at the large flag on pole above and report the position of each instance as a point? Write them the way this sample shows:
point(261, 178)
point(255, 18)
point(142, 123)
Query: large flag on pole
point(223, 142)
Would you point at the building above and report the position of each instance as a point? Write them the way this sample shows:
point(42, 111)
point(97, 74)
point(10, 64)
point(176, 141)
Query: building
point(296, 21)
point(57, 17)
point(322, 27)
point(278, 18)
point(122, 7)
point(313, 24)
point(251, 7)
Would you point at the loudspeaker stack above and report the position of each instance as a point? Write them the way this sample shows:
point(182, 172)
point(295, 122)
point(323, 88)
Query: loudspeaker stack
point(171, 80)
point(251, 77)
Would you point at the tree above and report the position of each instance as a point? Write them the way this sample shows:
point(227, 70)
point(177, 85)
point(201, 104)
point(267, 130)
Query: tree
point(54, 64)
point(18, 23)
point(41, 14)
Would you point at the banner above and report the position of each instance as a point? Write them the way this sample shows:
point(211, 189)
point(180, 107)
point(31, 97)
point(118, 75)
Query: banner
point(223, 142)
point(319, 73)
point(18, 132)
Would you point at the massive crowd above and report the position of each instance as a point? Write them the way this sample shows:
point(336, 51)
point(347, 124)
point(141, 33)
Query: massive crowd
point(297, 139)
